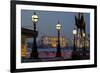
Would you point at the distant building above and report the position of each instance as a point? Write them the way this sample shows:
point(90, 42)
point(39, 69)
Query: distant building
point(43, 42)
point(51, 41)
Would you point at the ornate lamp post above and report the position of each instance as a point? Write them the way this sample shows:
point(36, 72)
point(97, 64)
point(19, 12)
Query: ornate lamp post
point(74, 42)
point(34, 53)
point(84, 44)
point(58, 27)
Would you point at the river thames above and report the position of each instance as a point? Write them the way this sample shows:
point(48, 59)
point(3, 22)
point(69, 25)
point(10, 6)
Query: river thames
point(49, 54)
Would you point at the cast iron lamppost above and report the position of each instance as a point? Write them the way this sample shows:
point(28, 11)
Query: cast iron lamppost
point(74, 43)
point(58, 27)
point(84, 44)
point(34, 53)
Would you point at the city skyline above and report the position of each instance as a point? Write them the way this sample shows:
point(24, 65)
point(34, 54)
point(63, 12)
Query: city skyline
point(47, 21)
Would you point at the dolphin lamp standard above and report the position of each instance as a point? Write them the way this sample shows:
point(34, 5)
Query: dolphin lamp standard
point(34, 53)
point(74, 33)
point(74, 42)
point(58, 27)
point(84, 49)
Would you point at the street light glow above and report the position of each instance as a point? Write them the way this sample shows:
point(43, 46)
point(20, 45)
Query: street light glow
point(74, 31)
point(34, 18)
point(83, 34)
point(58, 26)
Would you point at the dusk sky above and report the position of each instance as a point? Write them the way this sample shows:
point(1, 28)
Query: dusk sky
point(46, 24)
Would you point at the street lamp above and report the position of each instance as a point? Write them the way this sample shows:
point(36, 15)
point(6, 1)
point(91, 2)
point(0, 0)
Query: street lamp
point(58, 27)
point(84, 44)
point(83, 34)
point(74, 33)
point(74, 43)
point(34, 53)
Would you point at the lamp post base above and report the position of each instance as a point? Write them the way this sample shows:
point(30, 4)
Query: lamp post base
point(58, 54)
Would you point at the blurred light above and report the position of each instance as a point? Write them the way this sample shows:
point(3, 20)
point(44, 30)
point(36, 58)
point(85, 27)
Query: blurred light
point(34, 18)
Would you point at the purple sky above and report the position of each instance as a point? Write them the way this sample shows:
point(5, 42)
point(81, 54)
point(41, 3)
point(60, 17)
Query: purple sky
point(48, 19)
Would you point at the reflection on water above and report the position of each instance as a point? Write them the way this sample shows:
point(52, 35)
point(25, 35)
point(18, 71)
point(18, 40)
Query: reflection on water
point(47, 53)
